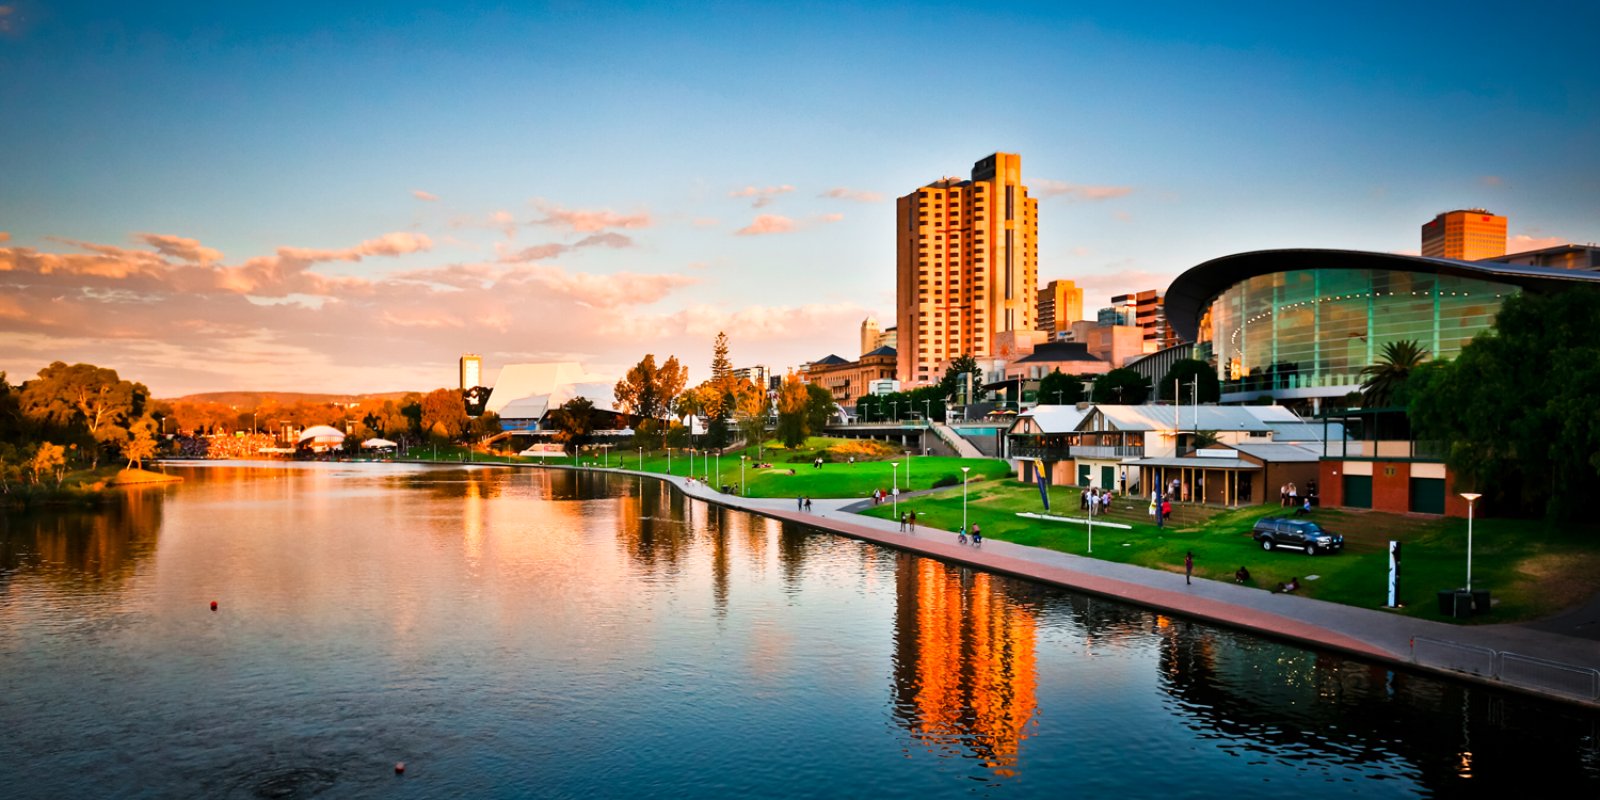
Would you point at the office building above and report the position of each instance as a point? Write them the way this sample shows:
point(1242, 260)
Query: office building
point(1060, 305)
point(1466, 234)
point(1150, 315)
point(471, 371)
point(966, 267)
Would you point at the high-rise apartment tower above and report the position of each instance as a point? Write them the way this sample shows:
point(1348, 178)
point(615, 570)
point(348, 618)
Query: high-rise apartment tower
point(966, 266)
point(1150, 314)
point(1466, 234)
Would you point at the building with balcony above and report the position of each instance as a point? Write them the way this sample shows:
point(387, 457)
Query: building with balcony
point(850, 380)
point(1381, 465)
point(1467, 234)
point(966, 267)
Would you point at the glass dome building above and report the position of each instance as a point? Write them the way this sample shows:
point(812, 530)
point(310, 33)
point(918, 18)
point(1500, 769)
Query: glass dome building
point(1300, 325)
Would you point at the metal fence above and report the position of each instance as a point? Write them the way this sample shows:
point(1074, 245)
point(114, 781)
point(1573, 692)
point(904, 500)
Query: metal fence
point(1515, 669)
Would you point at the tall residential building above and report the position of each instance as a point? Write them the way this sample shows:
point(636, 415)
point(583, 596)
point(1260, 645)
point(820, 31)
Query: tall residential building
point(869, 335)
point(1467, 234)
point(471, 371)
point(1150, 314)
point(1060, 305)
point(966, 266)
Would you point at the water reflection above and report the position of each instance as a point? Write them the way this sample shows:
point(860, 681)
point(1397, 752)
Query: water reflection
point(96, 551)
point(965, 677)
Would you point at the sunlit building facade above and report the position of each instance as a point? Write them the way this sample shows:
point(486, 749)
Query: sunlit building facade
point(1060, 305)
point(966, 266)
point(1300, 325)
point(1467, 234)
point(471, 371)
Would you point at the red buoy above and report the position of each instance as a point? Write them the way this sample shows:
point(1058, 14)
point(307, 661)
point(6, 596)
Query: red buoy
point(213, 605)
point(399, 767)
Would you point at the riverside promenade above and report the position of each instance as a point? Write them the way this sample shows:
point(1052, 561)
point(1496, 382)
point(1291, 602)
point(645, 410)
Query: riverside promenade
point(1526, 658)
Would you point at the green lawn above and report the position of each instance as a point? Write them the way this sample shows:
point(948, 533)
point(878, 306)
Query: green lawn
point(1533, 569)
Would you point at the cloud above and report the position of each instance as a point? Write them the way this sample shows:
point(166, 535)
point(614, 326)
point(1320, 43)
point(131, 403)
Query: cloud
point(1522, 243)
point(543, 252)
point(831, 217)
point(858, 195)
point(180, 248)
point(1075, 192)
point(608, 239)
point(505, 222)
point(599, 291)
point(5, 237)
point(706, 222)
point(427, 196)
point(590, 221)
point(390, 244)
point(761, 197)
point(765, 224)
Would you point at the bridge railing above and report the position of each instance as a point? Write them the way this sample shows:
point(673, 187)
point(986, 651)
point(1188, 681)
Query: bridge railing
point(1515, 669)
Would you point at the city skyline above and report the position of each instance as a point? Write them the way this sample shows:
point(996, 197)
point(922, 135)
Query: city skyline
point(346, 201)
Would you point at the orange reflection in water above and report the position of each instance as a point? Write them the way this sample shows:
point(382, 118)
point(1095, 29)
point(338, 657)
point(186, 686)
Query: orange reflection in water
point(966, 678)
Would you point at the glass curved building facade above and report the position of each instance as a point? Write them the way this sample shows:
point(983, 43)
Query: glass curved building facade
point(1309, 333)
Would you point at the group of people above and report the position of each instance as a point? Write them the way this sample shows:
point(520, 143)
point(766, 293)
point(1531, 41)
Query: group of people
point(977, 535)
point(222, 446)
point(908, 522)
point(1095, 500)
point(802, 503)
point(1162, 507)
point(880, 496)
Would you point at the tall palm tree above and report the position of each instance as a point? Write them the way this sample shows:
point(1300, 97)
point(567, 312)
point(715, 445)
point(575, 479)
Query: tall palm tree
point(1384, 379)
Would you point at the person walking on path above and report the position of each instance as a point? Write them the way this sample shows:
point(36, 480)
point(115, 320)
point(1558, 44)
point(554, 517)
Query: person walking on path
point(808, 504)
point(913, 522)
point(903, 521)
point(799, 502)
point(1188, 566)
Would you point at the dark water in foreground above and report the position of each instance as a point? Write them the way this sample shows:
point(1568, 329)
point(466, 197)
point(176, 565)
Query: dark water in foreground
point(550, 634)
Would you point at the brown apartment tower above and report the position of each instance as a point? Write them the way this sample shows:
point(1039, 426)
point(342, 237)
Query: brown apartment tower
point(1468, 235)
point(966, 266)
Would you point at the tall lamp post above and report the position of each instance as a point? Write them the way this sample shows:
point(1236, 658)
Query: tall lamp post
point(641, 459)
point(742, 459)
point(964, 498)
point(1472, 497)
point(927, 412)
point(894, 483)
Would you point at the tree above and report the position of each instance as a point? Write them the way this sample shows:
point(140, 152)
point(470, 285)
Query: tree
point(721, 367)
point(573, 422)
point(49, 462)
point(1385, 378)
point(141, 445)
point(86, 398)
point(750, 413)
point(819, 408)
point(1517, 405)
point(793, 400)
point(952, 382)
point(1185, 370)
point(443, 412)
point(1121, 386)
point(647, 390)
point(1059, 389)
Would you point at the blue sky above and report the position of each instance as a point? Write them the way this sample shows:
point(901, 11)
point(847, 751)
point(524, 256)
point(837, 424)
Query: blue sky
point(212, 196)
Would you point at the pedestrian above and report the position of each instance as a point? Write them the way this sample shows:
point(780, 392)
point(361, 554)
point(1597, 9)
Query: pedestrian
point(1105, 502)
point(913, 521)
point(1283, 496)
point(1304, 509)
point(799, 502)
point(1083, 500)
point(1166, 510)
point(808, 504)
point(977, 535)
point(902, 522)
point(1188, 566)
point(1294, 495)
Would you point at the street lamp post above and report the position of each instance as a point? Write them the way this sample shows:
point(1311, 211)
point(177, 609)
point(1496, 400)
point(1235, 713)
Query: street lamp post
point(1091, 505)
point(927, 412)
point(742, 459)
point(964, 498)
point(894, 483)
point(641, 459)
point(1472, 497)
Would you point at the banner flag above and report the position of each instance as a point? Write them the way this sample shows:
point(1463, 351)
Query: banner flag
point(1038, 475)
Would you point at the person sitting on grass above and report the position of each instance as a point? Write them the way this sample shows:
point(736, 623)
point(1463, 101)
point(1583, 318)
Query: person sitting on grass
point(1304, 509)
point(1292, 585)
point(1242, 576)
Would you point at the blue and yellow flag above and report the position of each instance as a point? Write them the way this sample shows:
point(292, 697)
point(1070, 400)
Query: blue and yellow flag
point(1038, 475)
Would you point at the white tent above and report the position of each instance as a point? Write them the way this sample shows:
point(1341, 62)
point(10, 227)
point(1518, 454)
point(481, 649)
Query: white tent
point(379, 444)
point(322, 434)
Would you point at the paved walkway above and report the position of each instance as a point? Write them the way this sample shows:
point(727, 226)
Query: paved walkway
point(1369, 633)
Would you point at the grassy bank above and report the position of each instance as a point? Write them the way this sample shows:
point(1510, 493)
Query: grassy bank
point(1533, 569)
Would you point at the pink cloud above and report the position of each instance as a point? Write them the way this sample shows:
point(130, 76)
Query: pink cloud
point(1522, 243)
point(538, 252)
point(505, 222)
point(761, 197)
point(706, 222)
point(5, 237)
point(426, 196)
point(180, 248)
point(859, 196)
point(831, 217)
point(765, 224)
point(599, 291)
point(1045, 187)
point(610, 239)
point(591, 221)
point(389, 244)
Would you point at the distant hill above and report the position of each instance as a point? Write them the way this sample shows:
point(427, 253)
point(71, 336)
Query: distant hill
point(248, 400)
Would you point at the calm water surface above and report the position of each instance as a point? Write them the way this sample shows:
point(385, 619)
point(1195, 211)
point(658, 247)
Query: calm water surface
point(526, 633)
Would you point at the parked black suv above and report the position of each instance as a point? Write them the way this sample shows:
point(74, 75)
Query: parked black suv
point(1300, 534)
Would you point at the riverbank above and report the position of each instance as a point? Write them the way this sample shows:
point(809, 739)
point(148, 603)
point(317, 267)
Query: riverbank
point(1511, 656)
point(81, 488)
